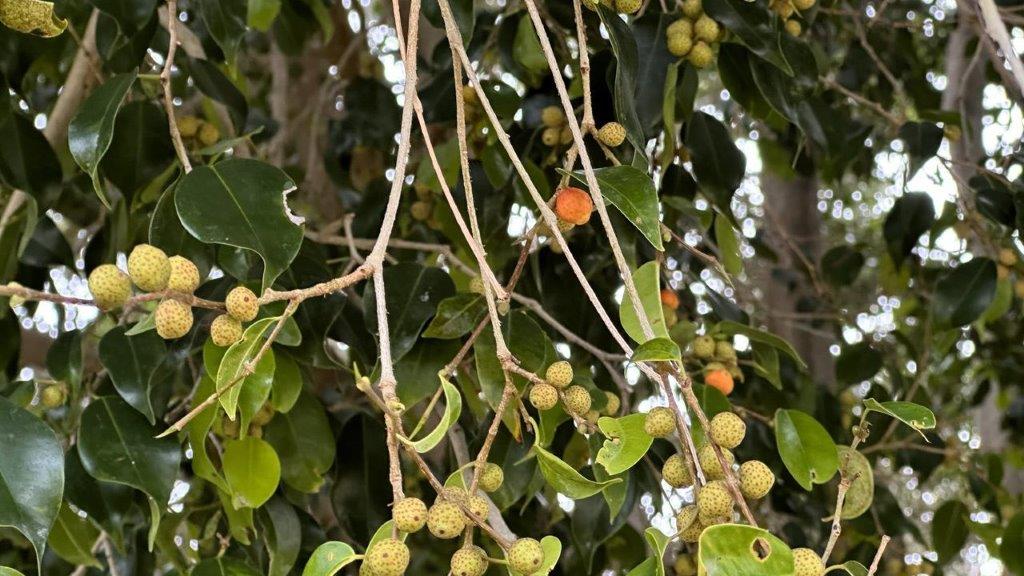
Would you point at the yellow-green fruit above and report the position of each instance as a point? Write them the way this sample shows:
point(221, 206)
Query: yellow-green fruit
point(173, 319)
point(709, 461)
point(184, 276)
point(565, 135)
point(628, 6)
point(692, 9)
point(685, 566)
point(491, 478)
point(692, 534)
point(188, 126)
point(681, 26)
point(679, 45)
point(550, 136)
point(225, 330)
point(727, 430)
point(705, 29)
point(725, 352)
point(421, 210)
point(701, 55)
point(149, 268)
point(706, 521)
point(552, 117)
point(503, 307)
point(242, 304)
point(687, 517)
point(659, 422)
point(613, 404)
point(208, 134)
point(559, 374)
point(52, 396)
point(543, 396)
point(469, 561)
point(445, 520)
point(612, 134)
point(264, 415)
point(714, 500)
point(577, 400)
point(476, 285)
point(110, 286)
point(525, 556)
point(793, 27)
point(388, 558)
point(756, 479)
point(804, 4)
point(784, 8)
point(469, 95)
point(409, 514)
point(592, 416)
point(478, 506)
point(704, 347)
point(806, 562)
point(14, 300)
point(675, 473)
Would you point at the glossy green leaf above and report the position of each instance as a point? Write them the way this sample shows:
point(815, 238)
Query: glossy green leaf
point(858, 362)
point(134, 365)
point(241, 202)
point(728, 246)
point(806, 448)
point(225, 19)
point(565, 479)
point(31, 475)
point(304, 442)
point(5, 571)
point(633, 193)
point(27, 162)
point(648, 287)
point(730, 327)
point(261, 13)
point(72, 538)
point(413, 295)
point(914, 415)
point(527, 49)
point(130, 16)
point(731, 549)
point(964, 293)
point(718, 164)
point(223, 566)
point(252, 470)
point(851, 567)
point(753, 24)
point(92, 128)
point(140, 149)
point(911, 216)
point(627, 59)
point(287, 383)
point(212, 81)
point(655, 564)
point(657, 350)
point(853, 464)
point(1011, 550)
point(456, 316)
point(626, 442)
point(922, 140)
point(452, 411)
point(198, 430)
point(949, 530)
point(232, 368)
point(329, 558)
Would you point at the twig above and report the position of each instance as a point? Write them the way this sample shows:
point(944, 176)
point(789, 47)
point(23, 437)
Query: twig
point(875, 107)
point(165, 81)
point(995, 28)
point(40, 296)
point(878, 555)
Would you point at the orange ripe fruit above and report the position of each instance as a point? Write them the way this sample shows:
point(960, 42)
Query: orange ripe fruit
point(670, 299)
point(573, 205)
point(720, 379)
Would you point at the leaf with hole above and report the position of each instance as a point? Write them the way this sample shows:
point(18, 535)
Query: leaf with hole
point(734, 550)
point(914, 415)
point(625, 444)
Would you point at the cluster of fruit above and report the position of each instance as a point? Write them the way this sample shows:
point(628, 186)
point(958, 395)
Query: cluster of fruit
point(1006, 266)
point(557, 385)
point(422, 210)
point(721, 367)
point(789, 11)
point(556, 129)
point(197, 131)
point(152, 271)
point(446, 519)
point(694, 36)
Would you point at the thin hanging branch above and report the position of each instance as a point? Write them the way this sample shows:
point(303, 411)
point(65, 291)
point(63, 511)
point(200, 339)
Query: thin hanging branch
point(165, 82)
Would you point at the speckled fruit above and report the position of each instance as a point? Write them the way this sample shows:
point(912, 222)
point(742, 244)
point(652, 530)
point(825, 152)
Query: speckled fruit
point(727, 430)
point(659, 422)
point(409, 514)
point(225, 330)
point(543, 396)
point(184, 276)
point(525, 556)
point(149, 268)
point(388, 558)
point(173, 319)
point(491, 478)
point(110, 286)
point(242, 304)
point(577, 400)
point(675, 473)
point(756, 479)
point(559, 374)
point(445, 520)
point(470, 561)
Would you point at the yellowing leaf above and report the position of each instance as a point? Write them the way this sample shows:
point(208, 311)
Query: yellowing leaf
point(31, 17)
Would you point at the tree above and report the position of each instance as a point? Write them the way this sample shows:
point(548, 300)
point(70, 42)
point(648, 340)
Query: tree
point(613, 287)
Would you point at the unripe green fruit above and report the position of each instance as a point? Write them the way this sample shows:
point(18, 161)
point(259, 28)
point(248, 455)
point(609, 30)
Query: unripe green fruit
point(445, 520)
point(550, 136)
point(149, 268)
point(52, 396)
point(756, 479)
point(701, 55)
point(714, 500)
point(469, 561)
point(806, 562)
point(264, 415)
point(704, 347)
point(681, 26)
point(611, 407)
point(409, 514)
point(188, 126)
point(660, 422)
point(543, 396)
point(503, 307)
point(491, 478)
point(525, 556)
point(705, 29)
point(679, 45)
point(559, 374)
point(184, 276)
point(225, 330)
point(725, 352)
point(552, 117)
point(478, 506)
point(173, 319)
point(692, 9)
point(476, 285)
point(110, 286)
point(687, 517)
point(612, 134)
point(208, 134)
point(675, 473)
point(388, 558)
point(242, 304)
point(685, 566)
point(793, 27)
point(709, 461)
point(421, 210)
point(628, 6)
point(577, 400)
point(727, 430)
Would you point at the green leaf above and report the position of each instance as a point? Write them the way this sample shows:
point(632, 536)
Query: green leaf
point(626, 65)
point(754, 26)
point(252, 470)
point(527, 49)
point(140, 149)
point(731, 328)
point(72, 538)
point(329, 558)
point(806, 448)
point(648, 287)
point(949, 530)
point(223, 566)
point(852, 567)
point(728, 246)
point(657, 350)
point(862, 489)
point(282, 533)
point(31, 475)
point(92, 129)
point(287, 383)
point(241, 202)
point(130, 16)
point(198, 430)
point(718, 164)
point(452, 411)
point(910, 217)
point(841, 265)
point(1011, 550)
point(27, 162)
point(135, 365)
point(633, 193)
point(857, 363)
point(565, 479)
point(914, 415)
point(413, 295)
point(963, 294)
point(225, 19)
point(261, 13)
point(922, 140)
point(211, 81)
point(626, 444)
point(456, 316)
point(303, 440)
point(232, 367)
point(731, 549)
point(5, 571)
point(552, 548)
